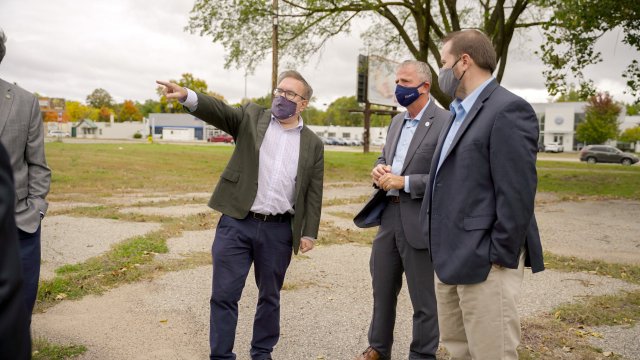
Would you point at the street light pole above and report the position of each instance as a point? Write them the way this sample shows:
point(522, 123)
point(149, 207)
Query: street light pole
point(274, 47)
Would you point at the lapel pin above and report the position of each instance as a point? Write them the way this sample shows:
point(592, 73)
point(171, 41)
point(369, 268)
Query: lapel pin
point(427, 124)
point(8, 96)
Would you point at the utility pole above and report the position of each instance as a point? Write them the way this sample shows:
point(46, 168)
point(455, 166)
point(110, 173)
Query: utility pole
point(274, 48)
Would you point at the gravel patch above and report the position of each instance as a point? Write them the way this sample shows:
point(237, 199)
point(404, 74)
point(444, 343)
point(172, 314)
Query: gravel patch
point(190, 241)
point(325, 316)
point(621, 340)
point(69, 240)
point(541, 292)
point(593, 230)
point(340, 221)
point(60, 206)
point(170, 211)
point(133, 199)
point(346, 192)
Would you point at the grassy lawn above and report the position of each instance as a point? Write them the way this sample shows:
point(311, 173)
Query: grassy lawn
point(82, 172)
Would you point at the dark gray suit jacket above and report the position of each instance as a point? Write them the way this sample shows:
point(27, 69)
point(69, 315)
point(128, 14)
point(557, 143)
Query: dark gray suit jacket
point(416, 165)
point(22, 134)
point(238, 185)
point(481, 211)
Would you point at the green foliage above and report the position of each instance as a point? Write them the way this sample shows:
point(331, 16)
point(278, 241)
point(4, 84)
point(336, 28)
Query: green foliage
point(571, 35)
point(313, 116)
point(44, 350)
point(187, 80)
point(100, 98)
point(407, 29)
point(573, 95)
point(589, 180)
point(78, 111)
point(601, 120)
point(631, 135)
point(129, 112)
point(633, 109)
point(148, 107)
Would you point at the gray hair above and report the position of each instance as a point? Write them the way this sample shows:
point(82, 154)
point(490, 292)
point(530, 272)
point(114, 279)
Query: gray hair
point(308, 91)
point(422, 69)
point(3, 48)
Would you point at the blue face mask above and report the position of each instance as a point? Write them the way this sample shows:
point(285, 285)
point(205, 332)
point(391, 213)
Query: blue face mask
point(407, 95)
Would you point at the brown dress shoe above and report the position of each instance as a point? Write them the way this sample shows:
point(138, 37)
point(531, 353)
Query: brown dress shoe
point(370, 354)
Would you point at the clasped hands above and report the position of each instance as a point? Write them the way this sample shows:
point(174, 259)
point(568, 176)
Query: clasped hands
point(385, 180)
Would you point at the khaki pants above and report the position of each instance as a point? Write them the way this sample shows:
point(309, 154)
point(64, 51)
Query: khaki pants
point(481, 321)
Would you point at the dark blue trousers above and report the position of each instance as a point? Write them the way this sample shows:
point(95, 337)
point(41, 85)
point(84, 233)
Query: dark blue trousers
point(237, 244)
point(30, 258)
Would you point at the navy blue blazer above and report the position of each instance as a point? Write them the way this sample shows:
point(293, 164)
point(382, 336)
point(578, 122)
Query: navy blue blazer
point(478, 208)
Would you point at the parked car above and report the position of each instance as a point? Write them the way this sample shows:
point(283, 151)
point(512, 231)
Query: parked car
point(330, 141)
point(553, 147)
point(58, 133)
point(377, 142)
point(341, 141)
point(223, 138)
point(606, 154)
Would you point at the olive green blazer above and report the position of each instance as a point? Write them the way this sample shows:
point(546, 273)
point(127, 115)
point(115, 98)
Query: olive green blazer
point(235, 192)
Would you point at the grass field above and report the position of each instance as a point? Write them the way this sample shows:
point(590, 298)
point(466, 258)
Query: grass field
point(85, 171)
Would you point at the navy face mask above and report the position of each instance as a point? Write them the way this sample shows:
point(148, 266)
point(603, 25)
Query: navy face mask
point(283, 108)
point(407, 95)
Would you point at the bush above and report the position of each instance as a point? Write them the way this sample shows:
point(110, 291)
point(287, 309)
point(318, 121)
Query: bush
point(137, 136)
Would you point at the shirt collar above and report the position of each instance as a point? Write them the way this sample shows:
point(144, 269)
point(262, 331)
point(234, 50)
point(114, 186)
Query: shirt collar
point(419, 116)
point(298, 127)
point(468, 102)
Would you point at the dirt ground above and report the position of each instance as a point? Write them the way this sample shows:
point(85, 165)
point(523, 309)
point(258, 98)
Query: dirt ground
point(326, 312)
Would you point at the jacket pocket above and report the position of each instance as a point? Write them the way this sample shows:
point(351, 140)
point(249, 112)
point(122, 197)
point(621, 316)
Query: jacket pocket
point(230, 175)
point(478, 222)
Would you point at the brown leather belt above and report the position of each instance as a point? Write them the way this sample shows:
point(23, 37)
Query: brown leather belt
point(270, 218)
point(394, 199)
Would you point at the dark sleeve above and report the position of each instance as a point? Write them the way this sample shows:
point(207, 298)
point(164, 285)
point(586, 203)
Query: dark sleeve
point(314, 196)
point(513, 148)
point(219, 114)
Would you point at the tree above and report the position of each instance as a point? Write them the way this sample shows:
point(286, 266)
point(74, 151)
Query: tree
point(631, 135)
point(601, 120)
point(571, 35)
point(404, 28)
point(104, 114)
point(129, 112)
point(187, 80)
point(633, 109)
point(78, 111)
point(572, 95)
point(338, 113)
point(149, 106)
point(100, 98)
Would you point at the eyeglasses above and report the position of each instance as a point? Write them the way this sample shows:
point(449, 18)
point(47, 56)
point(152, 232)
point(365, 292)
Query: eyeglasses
point(289, 95)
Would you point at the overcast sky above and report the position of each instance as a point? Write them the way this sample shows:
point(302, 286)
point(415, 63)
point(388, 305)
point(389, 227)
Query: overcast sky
point(68, 48)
